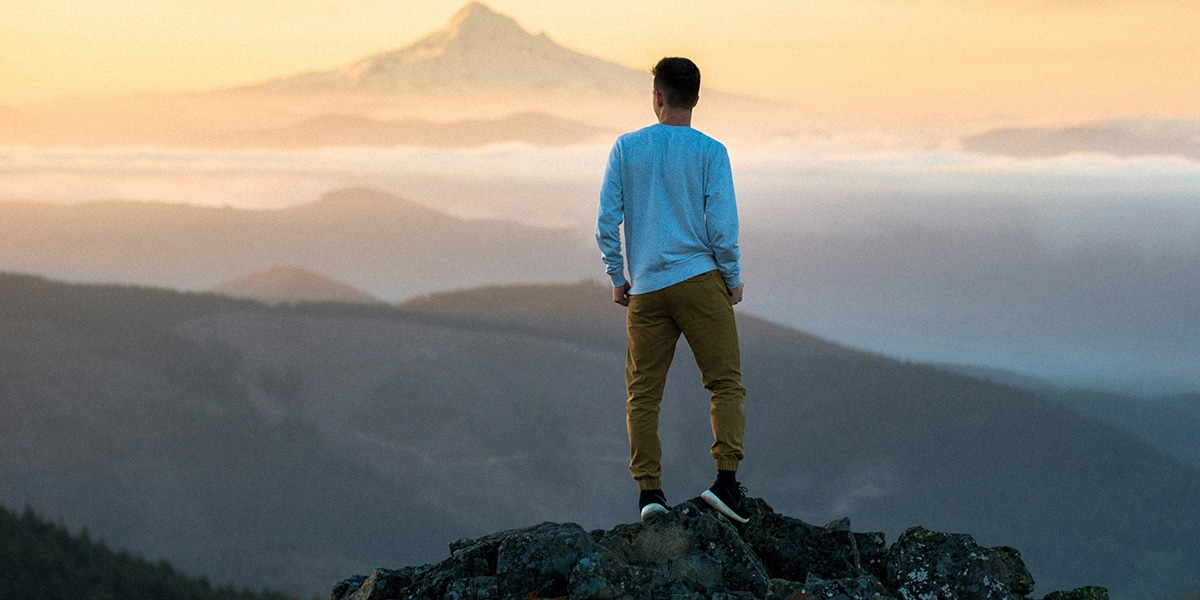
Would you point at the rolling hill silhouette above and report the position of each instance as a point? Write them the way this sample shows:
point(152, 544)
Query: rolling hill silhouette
point(982, 283)
point(281, 285)
point(383, 245)
point(1122, 137)
point(294, 445)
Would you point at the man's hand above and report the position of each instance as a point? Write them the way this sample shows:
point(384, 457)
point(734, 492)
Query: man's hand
point(621, 294)
point(735, 295)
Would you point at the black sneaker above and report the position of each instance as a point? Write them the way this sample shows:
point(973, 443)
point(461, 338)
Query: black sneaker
point(729, 498)
point(652, 502)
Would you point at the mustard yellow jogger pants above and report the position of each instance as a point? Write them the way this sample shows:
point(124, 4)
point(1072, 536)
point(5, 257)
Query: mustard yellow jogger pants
point(702, 310)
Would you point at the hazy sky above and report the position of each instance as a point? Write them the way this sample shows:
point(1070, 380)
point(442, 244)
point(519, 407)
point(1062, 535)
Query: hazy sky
point(1047, 60)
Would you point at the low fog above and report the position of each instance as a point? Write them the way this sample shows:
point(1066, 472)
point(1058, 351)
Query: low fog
point(1082, 269)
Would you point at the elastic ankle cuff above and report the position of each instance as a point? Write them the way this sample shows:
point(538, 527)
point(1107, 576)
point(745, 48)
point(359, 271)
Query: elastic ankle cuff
point(727, 464)
point(649, 484)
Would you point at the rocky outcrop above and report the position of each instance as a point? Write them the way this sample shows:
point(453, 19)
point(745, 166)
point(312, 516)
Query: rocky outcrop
point(694, 552)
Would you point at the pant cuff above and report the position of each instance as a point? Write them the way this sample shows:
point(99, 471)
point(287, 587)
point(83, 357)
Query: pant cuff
point(727, 464)
point(649, 484)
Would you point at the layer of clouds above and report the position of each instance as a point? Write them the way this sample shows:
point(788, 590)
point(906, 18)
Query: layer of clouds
point(790, 186)
point(536, 185)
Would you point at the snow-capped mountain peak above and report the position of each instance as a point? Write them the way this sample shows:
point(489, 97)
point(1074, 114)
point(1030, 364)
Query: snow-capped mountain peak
point(477, 47)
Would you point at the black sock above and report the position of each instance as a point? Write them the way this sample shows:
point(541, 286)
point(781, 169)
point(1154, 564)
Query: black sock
point(651, 496)
point(727, 477)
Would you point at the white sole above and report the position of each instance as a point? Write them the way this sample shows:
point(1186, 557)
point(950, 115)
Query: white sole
point(652, 509)
point(716, 503)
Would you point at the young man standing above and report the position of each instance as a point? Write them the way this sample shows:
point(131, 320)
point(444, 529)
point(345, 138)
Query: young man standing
point(671, 187)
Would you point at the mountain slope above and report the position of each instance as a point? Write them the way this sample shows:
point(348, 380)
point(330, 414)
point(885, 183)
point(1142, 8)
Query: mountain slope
point(478, 47)
point(1168, 423)
point(166, 446)
point(268, 445)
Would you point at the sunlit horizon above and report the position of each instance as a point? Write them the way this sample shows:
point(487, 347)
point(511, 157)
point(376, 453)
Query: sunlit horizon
point(865, 61)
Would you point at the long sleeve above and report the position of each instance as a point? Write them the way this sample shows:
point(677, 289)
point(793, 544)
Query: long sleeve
point(610, 217)
point(721, 219)
point(667, 202)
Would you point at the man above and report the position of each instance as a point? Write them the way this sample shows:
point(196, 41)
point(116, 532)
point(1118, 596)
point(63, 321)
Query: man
point(671, 187)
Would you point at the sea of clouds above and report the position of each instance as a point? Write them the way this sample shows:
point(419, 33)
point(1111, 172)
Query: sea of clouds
point(781, 185)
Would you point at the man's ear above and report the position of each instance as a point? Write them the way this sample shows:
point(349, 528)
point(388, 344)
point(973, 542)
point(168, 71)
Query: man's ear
point(658, 98)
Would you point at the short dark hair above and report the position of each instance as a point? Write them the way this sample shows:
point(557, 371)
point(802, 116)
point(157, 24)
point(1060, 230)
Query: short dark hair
point(679, 81)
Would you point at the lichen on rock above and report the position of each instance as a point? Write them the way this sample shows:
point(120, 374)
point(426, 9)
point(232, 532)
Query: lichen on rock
point(926, 564)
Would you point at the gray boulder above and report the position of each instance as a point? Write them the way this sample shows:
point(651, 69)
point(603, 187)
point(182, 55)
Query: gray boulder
point(690, 548)
point(924, 564)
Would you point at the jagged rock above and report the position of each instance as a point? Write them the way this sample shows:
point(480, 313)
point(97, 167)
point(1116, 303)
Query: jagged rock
point(794, 550)
point(693, 552)
point(926, 564)
point(348, 586)
point(541, 559)
point(382, 584)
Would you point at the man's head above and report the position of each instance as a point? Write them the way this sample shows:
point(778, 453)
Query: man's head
point(678, 79)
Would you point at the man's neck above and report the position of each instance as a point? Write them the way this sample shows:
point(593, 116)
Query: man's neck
point(676, 117)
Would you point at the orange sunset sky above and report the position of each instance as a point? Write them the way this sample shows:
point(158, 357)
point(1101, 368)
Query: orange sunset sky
point(1040, 61)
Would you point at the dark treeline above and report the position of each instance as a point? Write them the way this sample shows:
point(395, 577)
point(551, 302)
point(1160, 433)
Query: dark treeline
point(40, 560)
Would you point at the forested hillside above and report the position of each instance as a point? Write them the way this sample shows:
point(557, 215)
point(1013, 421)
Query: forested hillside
point(40, 560)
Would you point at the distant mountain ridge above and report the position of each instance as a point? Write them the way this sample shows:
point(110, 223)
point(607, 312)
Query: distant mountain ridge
point(1122, 137)
point(1111, 314)
point(280, 285)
